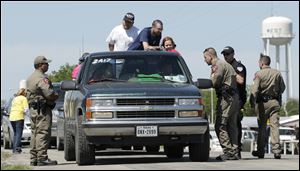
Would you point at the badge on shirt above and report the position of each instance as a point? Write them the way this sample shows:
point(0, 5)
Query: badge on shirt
point(240, 69)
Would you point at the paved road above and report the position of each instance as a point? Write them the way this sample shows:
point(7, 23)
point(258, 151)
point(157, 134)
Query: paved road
point(114, 159)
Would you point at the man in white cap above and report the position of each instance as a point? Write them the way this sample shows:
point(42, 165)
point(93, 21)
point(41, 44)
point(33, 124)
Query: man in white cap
point(122, 36)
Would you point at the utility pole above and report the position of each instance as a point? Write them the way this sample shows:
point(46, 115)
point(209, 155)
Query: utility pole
point(212, 105)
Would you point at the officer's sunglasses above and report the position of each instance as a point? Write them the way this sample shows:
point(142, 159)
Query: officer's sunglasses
point(45, 64)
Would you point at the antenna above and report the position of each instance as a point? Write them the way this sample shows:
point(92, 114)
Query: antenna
point(272, 9)
point(79, 51)
point(82, 44)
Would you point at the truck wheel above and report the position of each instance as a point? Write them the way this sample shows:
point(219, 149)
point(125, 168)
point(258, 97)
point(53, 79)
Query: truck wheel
point(200, 151)
point(174, 151)
point(7, 143)
point(69, 144)
point(85, 153)
point(152, 148)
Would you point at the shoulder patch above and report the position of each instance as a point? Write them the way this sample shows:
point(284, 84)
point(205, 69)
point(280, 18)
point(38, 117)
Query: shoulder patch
point(240, 69)
point(46, 81)
point(255, 76)
point(214, 69)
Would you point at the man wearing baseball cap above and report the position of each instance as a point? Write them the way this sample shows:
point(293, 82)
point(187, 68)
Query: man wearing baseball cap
point(122, 36)
point(240, 69)
point(41, 99)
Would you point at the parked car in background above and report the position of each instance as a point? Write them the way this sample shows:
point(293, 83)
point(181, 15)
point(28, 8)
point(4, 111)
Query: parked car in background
point(8, 132)
point(287, 134)
point(249, 138)
point(58, 118)
point(214, 141)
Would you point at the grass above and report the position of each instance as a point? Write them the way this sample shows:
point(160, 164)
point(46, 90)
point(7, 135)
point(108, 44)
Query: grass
point(5, 166)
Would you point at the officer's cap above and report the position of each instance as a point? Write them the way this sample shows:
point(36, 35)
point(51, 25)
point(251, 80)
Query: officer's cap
point(41, 59)
point(227, 50)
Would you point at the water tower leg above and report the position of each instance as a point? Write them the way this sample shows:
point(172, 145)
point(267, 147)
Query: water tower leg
point(288, 67)
point(265, 47)
point(268, 48)
point(277, 57)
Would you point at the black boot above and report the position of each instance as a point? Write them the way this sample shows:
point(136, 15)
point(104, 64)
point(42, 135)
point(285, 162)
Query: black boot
point(258, 154)
point(277, 156)
point(33, 163)
point(47, 162)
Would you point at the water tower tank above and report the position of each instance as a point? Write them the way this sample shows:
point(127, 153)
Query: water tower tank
point(278, 29)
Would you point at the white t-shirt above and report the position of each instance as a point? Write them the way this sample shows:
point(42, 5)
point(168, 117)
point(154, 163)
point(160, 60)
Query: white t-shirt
point(122, 38)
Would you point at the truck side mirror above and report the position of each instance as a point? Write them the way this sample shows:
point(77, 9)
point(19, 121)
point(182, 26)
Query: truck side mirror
point(203, 83)
point(69, 85)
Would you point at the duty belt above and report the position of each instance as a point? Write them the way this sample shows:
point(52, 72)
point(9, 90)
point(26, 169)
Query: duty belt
point(266, 98)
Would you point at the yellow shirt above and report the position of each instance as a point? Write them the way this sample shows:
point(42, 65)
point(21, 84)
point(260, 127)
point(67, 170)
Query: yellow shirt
point(18, 106)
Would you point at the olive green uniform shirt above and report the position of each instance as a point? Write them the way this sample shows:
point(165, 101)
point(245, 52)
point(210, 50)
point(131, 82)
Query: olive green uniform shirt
point(268, 81)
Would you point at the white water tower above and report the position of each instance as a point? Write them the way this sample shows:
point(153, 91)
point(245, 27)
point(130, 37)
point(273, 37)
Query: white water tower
point(278, 31)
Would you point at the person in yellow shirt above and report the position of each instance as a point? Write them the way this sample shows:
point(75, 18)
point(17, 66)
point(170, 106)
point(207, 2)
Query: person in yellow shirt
point(19, 107)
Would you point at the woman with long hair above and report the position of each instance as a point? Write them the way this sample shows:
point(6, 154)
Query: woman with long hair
point(19, 107)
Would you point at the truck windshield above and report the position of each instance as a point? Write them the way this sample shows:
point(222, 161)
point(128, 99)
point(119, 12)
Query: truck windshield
point(136, 69)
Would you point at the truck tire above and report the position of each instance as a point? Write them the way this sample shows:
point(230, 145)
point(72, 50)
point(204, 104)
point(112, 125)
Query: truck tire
point(174, 151)
point(69, 144)
point(85, 152)
point(200, 151)
point(7, 144)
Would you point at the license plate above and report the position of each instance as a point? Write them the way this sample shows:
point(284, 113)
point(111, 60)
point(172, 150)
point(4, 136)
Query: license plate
point(146, 131)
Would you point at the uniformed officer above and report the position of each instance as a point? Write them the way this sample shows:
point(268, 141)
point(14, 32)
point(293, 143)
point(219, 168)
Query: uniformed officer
point(41, 98)
point(265, 96)
point(240, 69)
point(224, 81)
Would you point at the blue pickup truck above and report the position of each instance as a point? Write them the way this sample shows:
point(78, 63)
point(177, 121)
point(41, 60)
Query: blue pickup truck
point(135, 98)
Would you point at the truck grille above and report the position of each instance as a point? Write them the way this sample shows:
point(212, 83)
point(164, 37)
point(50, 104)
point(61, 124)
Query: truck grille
point(146, 114)
point(129, 102)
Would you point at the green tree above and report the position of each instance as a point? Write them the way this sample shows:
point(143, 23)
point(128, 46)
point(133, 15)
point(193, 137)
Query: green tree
point(3, 102)
point(64, 73)
point(291, 107)
point(206, 95)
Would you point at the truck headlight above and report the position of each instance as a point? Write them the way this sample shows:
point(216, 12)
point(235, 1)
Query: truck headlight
point(101, 102)
point(186, 114)
point(102, 115)
point(188, 101)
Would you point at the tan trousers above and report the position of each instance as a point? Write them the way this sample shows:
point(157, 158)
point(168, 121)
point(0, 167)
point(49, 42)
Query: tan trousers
point(40, 134)
point(265, 111)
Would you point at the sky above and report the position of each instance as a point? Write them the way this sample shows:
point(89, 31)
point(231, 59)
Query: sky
point(62, 31)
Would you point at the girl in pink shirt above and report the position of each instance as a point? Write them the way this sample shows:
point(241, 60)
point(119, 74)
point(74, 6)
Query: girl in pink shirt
point(169, 45)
